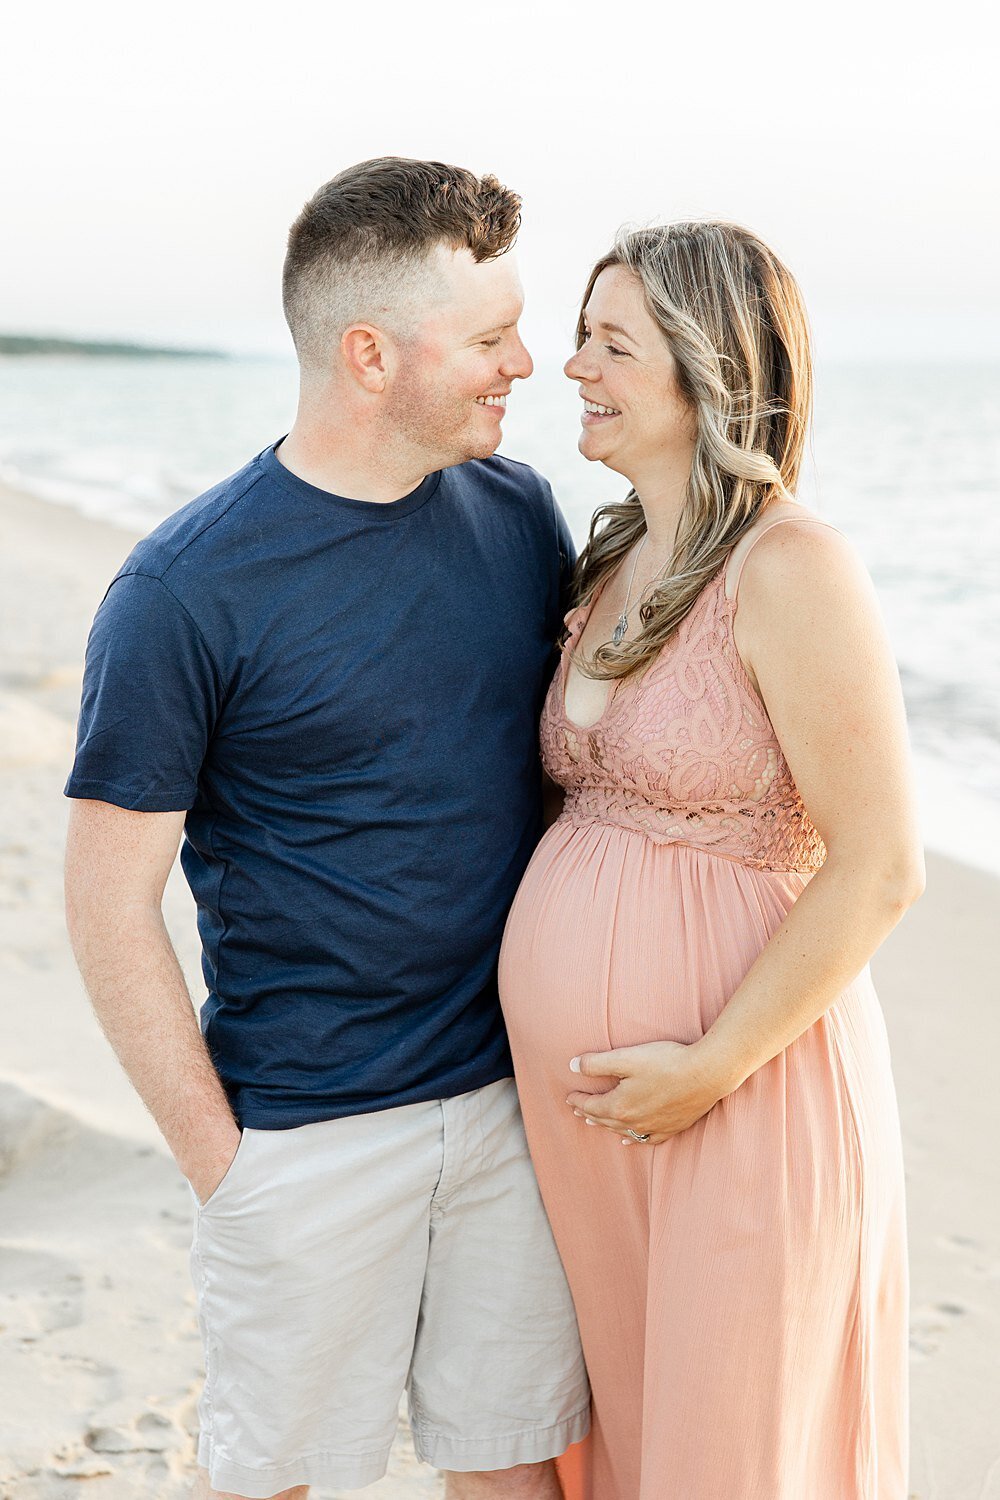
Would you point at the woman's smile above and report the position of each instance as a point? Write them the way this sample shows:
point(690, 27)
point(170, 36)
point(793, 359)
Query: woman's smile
point(595, 413)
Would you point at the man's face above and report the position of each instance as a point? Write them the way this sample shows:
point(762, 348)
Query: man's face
point(453, 376)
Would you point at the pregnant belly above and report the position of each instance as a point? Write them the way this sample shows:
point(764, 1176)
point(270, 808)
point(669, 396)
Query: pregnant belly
point(615, 940)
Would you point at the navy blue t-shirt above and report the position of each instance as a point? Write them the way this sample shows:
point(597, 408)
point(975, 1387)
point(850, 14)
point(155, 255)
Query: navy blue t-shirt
point(344, 698)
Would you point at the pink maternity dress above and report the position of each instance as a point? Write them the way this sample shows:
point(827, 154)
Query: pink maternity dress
point(741, 1289)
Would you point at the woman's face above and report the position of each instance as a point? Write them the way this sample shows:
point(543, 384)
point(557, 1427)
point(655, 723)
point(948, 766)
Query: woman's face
point(625, 368)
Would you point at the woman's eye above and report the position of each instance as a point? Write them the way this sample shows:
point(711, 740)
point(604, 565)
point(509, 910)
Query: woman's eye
point(611, 348)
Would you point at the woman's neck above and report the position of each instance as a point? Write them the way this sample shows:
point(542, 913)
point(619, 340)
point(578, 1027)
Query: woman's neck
point(662, 497)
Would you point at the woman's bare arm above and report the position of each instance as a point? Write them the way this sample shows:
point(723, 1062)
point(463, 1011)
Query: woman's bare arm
point(812, 635)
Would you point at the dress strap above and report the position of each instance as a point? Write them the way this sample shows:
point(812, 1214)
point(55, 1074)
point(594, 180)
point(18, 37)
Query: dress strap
point(781, 520)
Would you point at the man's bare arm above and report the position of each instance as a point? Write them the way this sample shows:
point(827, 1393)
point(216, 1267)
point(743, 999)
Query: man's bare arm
point(117, 863)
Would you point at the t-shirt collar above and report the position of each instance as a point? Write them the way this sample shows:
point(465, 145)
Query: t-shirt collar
point(387, 510)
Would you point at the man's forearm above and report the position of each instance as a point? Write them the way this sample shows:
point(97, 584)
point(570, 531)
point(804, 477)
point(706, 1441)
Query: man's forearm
point(141, 1000)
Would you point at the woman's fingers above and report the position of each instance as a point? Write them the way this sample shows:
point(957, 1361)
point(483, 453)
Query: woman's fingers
point(601, 1064)
point(592, 1120)
point(624, 1132)
point(610, 1123)
point(591, 1105)
point(603, 1109)
point(659, 1092)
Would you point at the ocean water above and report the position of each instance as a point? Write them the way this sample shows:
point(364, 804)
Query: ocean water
point(904, 459)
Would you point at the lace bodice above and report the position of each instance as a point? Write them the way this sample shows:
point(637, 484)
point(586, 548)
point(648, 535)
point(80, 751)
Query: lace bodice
point(685, 753)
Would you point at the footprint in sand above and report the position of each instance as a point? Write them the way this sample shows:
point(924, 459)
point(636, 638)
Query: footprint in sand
point(977, 1257)
point(154, 1454)
point(40, 1294)
point(69, 1421)
point(929, 1323)
point(153, 1432)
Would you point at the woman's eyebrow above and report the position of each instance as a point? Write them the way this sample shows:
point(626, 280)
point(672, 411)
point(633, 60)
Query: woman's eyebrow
point(616, 328)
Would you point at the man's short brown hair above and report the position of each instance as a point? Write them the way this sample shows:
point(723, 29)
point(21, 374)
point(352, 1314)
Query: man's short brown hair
point(354, 248)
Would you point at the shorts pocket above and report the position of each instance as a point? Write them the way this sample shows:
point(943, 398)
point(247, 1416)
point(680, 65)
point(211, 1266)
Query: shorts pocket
point(232, 1173)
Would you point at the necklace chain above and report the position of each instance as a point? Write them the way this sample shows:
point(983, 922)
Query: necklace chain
point(621, 629)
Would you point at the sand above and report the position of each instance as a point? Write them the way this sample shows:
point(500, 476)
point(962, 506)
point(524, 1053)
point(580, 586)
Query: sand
point(100, 1361)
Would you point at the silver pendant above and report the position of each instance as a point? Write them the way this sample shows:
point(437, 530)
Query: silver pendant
point(618, 635)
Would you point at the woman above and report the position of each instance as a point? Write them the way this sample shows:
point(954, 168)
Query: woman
point(692, 942)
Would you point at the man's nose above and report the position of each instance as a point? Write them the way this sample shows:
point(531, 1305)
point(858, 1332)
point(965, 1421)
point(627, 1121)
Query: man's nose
point(518, 363)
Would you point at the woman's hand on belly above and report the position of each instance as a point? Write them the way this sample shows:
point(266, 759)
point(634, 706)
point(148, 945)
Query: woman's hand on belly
point(663, 1088)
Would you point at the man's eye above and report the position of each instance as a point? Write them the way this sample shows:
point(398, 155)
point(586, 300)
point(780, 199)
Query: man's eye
point(491, 343)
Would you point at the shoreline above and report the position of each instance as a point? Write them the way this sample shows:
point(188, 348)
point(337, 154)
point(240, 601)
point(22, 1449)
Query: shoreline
point(957, 823)
point(99, 1355)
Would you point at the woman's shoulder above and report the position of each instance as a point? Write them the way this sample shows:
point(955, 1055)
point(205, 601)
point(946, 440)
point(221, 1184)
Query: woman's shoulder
point(790, 549)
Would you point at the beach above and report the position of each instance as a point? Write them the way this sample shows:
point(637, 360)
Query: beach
point(100, 1359)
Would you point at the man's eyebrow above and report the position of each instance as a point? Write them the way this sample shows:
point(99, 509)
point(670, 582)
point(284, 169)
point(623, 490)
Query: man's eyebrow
point(500, 328)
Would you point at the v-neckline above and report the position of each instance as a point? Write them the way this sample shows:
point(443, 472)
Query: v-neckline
point(616, 682)
point(567, 666)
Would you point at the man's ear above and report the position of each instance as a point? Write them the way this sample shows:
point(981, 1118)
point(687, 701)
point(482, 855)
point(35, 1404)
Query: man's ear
point(363, 347)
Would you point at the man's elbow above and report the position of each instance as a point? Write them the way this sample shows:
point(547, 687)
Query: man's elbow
point(97, 908)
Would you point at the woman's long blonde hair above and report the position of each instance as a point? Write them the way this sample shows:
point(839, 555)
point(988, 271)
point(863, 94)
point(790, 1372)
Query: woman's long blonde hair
point(736, 325)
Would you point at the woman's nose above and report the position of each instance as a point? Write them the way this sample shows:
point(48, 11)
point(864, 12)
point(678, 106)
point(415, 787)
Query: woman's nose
point(576, 367)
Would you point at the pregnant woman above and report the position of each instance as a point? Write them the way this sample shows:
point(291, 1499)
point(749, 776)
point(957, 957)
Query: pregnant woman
point(701, 1057)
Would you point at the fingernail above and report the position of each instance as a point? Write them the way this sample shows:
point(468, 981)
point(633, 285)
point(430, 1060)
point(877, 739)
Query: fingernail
point(626, 1141)
point(578, 1113)
point(591, 1122)
point(574, 1065)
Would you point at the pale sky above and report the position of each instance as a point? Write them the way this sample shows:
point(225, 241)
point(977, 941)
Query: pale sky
point(154, 155)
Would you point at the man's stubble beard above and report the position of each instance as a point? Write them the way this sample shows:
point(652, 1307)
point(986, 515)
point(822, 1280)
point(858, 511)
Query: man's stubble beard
point(440, 428)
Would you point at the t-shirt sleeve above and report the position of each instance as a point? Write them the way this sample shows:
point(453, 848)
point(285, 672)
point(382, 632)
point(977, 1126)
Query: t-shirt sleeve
point(151, 698)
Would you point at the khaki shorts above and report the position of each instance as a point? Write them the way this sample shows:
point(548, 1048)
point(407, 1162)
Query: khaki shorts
point(338, 1264)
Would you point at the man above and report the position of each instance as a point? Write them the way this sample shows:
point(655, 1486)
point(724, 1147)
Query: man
point(327, 673)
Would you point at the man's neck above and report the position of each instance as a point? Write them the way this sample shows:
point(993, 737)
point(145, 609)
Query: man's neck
point(338, 464)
